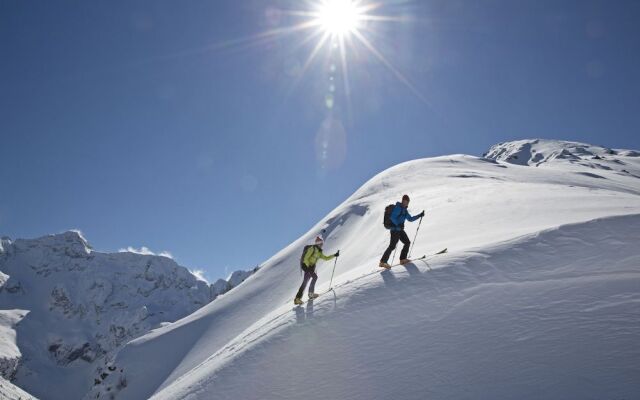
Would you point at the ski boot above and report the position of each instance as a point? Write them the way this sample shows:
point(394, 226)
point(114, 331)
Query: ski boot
point(404, 261)
point(313, 296)
point(384, 265)
point(297, 301)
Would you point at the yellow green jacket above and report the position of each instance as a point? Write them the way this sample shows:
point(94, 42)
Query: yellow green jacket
point(313, 254)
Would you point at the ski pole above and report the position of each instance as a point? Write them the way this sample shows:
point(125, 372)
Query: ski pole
point(334, 270)
point(415, 237)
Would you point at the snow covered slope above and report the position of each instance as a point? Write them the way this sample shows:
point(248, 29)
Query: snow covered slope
point(81, 306)
point(10, 355)
point(545, 316)
point(536, 299)
point(9, 391)
point(537, 152)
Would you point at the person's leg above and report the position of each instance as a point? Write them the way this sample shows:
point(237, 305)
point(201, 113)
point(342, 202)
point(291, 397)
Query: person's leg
point(407, 243)
point(392, 245)
point(314, 278)
point(307, 275)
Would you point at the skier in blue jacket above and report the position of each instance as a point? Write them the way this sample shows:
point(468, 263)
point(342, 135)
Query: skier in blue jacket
point(398, 216)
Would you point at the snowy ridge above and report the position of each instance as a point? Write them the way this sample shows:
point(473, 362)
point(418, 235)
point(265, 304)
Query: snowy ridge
point(10, 355)
point(494, 216)
point(474, 297)
point(222, 286)
point(82, 306)
point(4, 242)
point(538, 152)
point(9, 391)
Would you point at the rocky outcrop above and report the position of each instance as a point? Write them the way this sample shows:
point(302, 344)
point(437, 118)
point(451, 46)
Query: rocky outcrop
point(84, 305)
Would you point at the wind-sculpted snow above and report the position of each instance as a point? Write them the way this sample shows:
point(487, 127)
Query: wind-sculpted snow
point(549, 315)
point(480, 208)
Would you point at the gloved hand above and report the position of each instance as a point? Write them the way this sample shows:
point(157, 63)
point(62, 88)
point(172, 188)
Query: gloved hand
point(337, 253)
point(421, 214)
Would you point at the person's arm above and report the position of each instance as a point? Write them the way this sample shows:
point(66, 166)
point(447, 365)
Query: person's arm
point(326, 257)
point(410, 218)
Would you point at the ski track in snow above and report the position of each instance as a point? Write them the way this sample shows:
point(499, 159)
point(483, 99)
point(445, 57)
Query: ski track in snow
point(553, 306)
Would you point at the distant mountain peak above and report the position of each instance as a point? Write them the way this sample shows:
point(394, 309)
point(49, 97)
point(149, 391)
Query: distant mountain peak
point(71, 242)
point(90, 303)
point(536, 152)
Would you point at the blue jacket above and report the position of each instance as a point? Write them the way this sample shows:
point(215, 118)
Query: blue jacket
point(399, 215)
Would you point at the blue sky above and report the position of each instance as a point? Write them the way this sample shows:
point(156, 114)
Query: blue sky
point(152, 123)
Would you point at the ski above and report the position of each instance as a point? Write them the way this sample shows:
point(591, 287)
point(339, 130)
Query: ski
point(312, 299)
point(441, 252)
point(411, 260)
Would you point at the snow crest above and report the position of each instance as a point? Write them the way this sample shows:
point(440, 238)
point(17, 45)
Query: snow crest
point(537, 152)
point(10, 355)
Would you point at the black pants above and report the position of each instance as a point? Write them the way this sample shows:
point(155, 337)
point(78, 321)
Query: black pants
point(395, 236)
point(309, 273)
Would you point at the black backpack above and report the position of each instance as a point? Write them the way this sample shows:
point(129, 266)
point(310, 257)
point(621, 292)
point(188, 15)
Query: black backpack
point(387, 216)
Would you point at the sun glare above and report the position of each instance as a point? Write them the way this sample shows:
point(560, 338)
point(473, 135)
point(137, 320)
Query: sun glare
point(334, 28)
point(339, 17)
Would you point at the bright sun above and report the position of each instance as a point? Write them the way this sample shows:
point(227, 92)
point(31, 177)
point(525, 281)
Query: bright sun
point(336, 27)
point(339, 17)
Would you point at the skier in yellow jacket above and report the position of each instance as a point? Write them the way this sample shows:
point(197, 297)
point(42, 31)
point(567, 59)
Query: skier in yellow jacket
point(308, 262)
